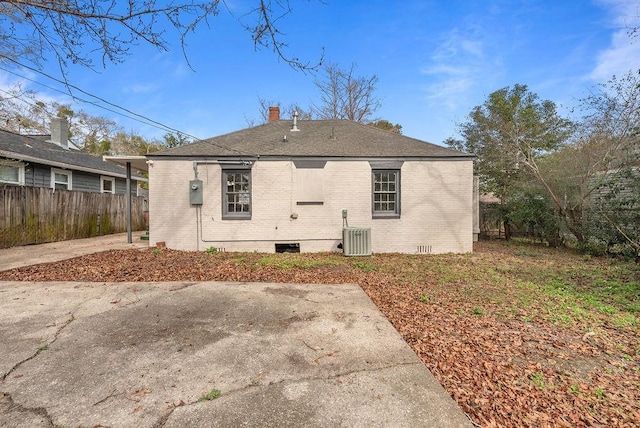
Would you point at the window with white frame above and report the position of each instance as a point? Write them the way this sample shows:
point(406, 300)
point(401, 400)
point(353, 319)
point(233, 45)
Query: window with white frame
point(12, 172)
point(60, 179)
point(385, 193)
point(236, 194)
point(107, 184)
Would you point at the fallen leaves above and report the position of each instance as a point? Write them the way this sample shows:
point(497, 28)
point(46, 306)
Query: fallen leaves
point(503, 349)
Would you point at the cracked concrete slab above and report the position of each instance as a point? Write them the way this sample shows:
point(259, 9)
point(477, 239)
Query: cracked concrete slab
point(27, 255)
point(144, 354)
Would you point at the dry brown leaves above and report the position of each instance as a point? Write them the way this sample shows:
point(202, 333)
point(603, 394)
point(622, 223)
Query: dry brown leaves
point(503, 368)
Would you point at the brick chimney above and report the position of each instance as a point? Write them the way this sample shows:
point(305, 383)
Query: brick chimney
point(60, 132)
point(274, 114)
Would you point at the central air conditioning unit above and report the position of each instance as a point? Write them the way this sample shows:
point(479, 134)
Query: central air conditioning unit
point(356, 241)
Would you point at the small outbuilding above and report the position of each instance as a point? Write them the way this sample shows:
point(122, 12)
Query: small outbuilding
point(312, 186)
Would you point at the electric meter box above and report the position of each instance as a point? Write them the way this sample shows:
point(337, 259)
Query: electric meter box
point(195, 192)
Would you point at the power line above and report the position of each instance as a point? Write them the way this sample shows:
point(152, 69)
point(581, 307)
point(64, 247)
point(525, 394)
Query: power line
point(146, 120)
point(75, 98)
point(70, 86)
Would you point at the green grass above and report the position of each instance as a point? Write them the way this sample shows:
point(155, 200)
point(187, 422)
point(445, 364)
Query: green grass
point(363, 265)
point(538, 379)
point(477, 311)
point(527, 282)
point(297, 261)
point(211, 395)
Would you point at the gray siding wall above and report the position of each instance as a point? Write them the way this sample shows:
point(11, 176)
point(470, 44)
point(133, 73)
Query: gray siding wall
point(121, 186)
point(39, 175)
point(85, 182)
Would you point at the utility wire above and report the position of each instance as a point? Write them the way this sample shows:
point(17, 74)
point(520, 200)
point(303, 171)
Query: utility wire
point(69, 85)
point(145, 120)
point(77, 99)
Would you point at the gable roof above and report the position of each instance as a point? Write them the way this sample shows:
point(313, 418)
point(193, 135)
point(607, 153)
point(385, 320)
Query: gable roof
point(314, 138)
point(36, 149)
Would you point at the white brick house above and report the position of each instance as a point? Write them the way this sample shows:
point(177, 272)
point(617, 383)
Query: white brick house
point(284, 185)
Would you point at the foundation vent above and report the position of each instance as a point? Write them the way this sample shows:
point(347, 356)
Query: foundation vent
point(423, 249)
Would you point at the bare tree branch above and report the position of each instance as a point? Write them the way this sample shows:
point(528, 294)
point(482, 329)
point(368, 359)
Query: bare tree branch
point(80, 31)
point(267, 34)
point(343, 95)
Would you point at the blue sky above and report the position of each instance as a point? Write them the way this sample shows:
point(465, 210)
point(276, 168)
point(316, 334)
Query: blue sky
point(435, 61)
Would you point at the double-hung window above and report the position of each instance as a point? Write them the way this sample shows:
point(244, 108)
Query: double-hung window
point(107, 184)
point(236, 194)
point(12, 173)
point(60, 179)
point(385, 193)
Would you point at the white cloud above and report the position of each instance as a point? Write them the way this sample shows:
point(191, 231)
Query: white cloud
point(625, 13)
point(23, 78)
point(456, 66)
point(446, 69)
point(27, 80)
point(139, 89)
point(622, 56)
point(624, 51)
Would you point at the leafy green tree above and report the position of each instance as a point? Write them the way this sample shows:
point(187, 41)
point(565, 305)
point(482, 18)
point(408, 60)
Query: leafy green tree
point(613, 119)
point(176, 139)
point(387, 126)
point(96, 147)
point(130, 143)
point(530, 214)
point(616, 212)
point(24, 113)
point(510, 132)
point(93, 133)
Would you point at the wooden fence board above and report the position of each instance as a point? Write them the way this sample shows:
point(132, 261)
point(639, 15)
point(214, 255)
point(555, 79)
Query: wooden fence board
point(35, 215)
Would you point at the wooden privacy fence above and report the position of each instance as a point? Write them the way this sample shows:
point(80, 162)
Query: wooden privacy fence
point(34, 215)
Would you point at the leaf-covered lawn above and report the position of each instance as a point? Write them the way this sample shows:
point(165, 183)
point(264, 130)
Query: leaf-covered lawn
point(518, 335)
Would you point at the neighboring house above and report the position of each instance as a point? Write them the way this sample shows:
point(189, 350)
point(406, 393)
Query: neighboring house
point(48, 161)
point(294, 185)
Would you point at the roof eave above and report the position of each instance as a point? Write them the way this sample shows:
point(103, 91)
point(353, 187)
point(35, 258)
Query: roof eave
point(63, 165)
point(324, 157)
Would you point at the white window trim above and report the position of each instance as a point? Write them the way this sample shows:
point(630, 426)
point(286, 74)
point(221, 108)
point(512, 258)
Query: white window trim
point(55, 171)
point(104, 178)
point(20, 181)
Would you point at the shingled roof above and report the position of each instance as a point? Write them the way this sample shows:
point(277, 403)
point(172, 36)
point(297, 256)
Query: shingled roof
point(314, 138)
point(35, 149)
